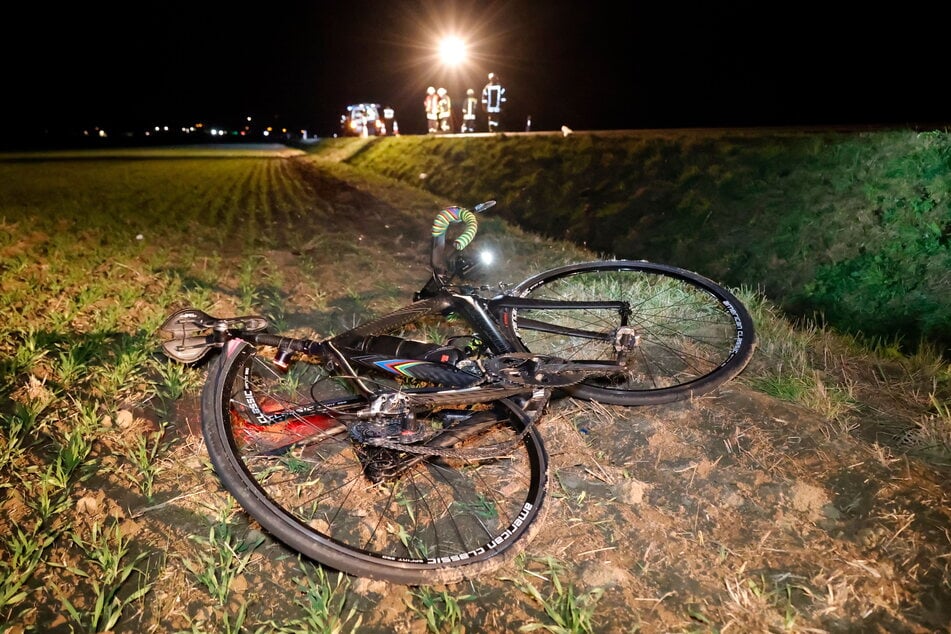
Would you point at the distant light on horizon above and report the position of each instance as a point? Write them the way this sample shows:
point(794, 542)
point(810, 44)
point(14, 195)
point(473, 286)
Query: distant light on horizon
point(452, 51)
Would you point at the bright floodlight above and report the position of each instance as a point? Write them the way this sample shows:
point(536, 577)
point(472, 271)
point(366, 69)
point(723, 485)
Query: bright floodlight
point(452, 51)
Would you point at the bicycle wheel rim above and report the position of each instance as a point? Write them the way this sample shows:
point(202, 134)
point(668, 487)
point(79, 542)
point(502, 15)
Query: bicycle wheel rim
point(441, 520)
point(693, 335)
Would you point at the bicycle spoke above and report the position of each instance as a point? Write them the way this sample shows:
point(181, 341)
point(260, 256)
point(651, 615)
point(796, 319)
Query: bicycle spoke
point(375, 510)
point(691, 335)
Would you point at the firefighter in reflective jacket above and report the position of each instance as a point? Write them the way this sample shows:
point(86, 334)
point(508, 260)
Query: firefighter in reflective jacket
point(430, 104)
point(493, 96)
point(469, 111)
point(444, 107)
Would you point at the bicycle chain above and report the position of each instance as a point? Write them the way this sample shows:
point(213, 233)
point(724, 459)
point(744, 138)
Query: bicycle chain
point(511, 371)
point(500, 450)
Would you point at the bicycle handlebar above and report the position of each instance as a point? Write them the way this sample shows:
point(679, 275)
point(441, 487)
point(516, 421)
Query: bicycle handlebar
point(453, 215)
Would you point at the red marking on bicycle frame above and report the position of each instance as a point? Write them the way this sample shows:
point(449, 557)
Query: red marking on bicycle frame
point(282, 433)
point(311, 422)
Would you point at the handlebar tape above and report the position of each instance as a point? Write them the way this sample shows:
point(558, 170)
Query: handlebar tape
point(452, 215)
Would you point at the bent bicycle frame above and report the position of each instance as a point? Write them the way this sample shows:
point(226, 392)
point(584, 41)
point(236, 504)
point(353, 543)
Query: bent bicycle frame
point(486, 316)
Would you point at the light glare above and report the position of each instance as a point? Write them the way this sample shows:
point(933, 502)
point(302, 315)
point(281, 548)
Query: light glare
point(452, 51)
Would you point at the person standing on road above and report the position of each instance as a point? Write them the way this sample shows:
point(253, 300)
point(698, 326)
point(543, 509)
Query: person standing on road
point(469, 107)
point(493, 96)
point(444, 108)
point(431, 105)
point(389, 120)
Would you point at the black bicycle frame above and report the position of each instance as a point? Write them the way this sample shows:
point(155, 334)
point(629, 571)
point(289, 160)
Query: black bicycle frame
point(486, 316)
point(498, 304)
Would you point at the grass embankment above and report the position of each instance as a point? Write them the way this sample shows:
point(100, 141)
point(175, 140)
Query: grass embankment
point(850, 228)
point(112, 518)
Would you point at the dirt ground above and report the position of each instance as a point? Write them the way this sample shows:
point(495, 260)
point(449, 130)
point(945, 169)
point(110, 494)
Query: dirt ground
point(734, 512)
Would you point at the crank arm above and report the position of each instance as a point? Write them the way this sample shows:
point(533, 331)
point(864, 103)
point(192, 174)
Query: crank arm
point(527, 369)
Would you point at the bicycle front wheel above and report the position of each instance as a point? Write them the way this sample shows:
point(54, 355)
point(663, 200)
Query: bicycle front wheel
point(692, 335)
point(279, 448)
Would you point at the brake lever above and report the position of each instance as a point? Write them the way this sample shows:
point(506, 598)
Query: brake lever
point(483, 206)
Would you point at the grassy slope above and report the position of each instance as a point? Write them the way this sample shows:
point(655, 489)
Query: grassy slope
point(854, 227)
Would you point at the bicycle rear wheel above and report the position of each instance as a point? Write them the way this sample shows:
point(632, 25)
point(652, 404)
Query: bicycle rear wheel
point(369, 511)
point(692, 334)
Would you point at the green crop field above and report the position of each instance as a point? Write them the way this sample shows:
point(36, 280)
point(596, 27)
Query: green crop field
point(113, 519)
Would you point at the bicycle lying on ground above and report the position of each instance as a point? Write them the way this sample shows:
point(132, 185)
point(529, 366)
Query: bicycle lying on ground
point(421, 462)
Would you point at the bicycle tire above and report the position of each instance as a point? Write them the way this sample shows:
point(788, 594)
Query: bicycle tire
point(693, 334)
point(441, 521)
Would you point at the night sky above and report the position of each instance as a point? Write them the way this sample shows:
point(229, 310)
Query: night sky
point(588, 65)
